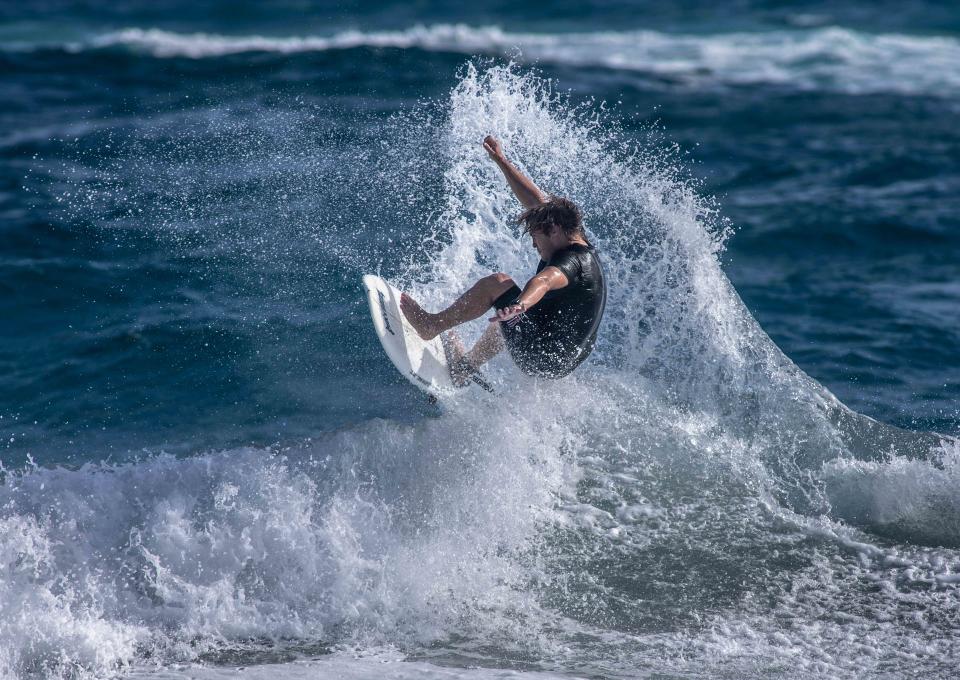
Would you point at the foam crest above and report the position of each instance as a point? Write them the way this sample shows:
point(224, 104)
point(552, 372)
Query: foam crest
point(838, 59)
point(367, 535)
point(903, 498)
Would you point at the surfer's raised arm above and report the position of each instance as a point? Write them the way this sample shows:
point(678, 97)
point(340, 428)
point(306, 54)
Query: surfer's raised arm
point(523, 187)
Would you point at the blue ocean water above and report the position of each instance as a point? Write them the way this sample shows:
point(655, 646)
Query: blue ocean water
point(207, 459)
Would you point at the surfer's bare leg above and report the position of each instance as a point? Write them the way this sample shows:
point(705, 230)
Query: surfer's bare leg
point(488, 346)
point(469, 306)
point(462, 362)
point(456, 354)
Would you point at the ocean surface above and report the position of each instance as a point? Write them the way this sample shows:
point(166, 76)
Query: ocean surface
point(208, 462)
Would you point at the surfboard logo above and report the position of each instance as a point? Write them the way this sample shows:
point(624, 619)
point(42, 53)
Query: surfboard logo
point(383, 312)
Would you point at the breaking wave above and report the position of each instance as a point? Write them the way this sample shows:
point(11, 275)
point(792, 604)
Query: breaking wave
point(832, 59)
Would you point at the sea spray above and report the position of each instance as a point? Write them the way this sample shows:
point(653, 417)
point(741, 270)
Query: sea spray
point(673, 315)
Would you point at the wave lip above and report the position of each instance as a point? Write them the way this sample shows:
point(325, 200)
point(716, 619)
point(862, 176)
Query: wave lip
point(832, 59)
point(440, 37)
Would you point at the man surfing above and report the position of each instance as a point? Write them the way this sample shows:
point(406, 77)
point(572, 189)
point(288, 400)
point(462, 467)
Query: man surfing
point(551, 325)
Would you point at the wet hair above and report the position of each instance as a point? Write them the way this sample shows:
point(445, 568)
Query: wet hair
point(558, 211)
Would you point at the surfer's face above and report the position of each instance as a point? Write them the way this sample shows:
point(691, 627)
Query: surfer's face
point(543, 243)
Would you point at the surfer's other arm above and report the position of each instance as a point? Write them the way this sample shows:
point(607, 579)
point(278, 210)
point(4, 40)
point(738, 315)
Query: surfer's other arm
point(550, 278)
point(523, 187)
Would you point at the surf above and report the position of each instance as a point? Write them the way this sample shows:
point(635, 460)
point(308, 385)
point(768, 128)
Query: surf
point(652, 510)
point(833, 59)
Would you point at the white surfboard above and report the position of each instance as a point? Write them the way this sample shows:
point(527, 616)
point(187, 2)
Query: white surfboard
point(422, 362)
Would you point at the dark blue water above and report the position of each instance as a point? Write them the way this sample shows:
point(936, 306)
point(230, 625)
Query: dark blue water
point(190, 192)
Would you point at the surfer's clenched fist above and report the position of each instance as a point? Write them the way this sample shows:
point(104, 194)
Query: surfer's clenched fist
point(492, 147)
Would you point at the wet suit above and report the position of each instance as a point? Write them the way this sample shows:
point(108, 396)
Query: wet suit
point(558, 333)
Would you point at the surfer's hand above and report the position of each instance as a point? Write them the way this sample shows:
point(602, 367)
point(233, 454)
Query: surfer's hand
point(492, 147)
point(508, 313)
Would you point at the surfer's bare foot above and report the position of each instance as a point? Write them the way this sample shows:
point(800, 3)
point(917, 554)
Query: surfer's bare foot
point(421, 320)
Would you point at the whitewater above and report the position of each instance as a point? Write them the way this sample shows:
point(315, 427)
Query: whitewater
point(688, 504)
point(828, 58)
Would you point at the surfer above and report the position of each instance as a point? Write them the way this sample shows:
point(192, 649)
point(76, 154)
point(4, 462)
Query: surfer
point(550, 326)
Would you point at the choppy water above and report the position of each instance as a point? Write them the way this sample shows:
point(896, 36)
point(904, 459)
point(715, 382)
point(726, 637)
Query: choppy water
point(208, 460)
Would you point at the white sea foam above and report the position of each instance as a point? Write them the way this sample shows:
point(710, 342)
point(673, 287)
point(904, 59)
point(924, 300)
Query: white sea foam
point(831, 58)
point(385, 533)
point(383, 665)
point(906, 498)
point(672, 506)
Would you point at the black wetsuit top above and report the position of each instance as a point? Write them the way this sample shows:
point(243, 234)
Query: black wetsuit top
point(558, 333)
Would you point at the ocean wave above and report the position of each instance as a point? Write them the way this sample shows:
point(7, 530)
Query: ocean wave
point(646, 515)
point(831, 58)
point(901, 498)
point(335, 541)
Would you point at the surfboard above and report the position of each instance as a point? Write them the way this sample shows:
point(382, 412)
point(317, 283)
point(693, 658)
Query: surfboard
point(422, 362)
